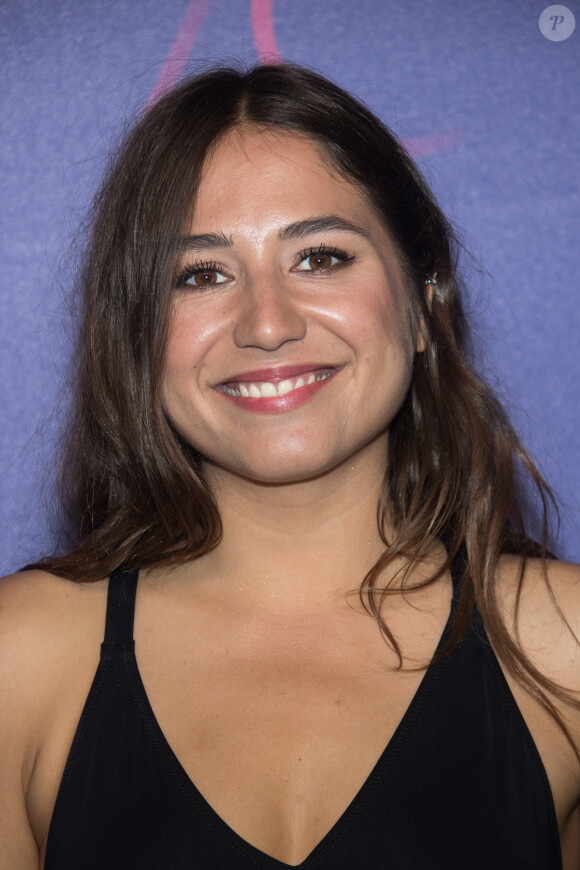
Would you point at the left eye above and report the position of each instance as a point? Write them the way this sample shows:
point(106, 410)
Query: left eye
point(318, 261)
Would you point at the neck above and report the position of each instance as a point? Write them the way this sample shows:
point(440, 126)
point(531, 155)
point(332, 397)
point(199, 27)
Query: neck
point(297, 544)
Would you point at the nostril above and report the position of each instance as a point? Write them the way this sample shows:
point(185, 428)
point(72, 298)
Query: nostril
point(269, 322)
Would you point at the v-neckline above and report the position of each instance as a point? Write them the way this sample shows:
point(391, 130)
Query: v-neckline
point(325, 845)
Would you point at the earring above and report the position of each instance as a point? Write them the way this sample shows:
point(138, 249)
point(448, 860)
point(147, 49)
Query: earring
point(432, 279)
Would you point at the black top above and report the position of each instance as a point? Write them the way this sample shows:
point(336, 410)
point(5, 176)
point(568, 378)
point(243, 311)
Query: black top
point(460, 784)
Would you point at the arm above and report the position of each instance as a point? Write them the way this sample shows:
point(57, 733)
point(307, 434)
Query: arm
point(549, 633)
point(50, 635)
point(18, 847)
point(548, 625)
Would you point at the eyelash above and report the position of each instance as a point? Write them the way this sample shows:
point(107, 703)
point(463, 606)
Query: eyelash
point(318, 250)
point(197, 269)
point(340, 255)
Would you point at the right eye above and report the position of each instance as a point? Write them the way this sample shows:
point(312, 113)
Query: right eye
point(201, 275)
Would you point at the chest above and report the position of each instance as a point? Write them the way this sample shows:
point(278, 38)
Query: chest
point(279, 734)
point(281, 728)
point(448, 790)
point(287, 747)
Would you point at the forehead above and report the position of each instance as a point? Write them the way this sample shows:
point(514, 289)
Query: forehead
point(249, 144)
point(255, 170)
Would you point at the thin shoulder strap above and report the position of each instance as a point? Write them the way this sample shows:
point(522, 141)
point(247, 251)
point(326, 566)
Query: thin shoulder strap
point(121, 606)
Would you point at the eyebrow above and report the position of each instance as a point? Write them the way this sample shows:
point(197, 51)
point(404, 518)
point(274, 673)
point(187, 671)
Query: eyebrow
point(328, 223)
point(298, 230)
point(202, 242)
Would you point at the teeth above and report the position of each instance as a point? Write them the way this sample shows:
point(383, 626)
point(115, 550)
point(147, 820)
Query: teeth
point(267, 390)
point(285, 387)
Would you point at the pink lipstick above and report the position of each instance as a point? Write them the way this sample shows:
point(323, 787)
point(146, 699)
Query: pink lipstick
point(276, 389)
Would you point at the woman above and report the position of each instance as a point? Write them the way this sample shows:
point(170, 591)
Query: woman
point(278, 434)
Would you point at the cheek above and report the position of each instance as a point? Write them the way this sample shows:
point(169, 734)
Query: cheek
point(181, 361)
point(191, 333)
point(381, 320)
point(180, 354)
point(387, 346)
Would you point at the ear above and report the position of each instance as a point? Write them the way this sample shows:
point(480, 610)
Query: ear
point(420, 338)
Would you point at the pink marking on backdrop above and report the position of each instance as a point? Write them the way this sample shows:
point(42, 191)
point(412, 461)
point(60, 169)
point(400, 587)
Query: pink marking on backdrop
point(181, 48)
point(423, 146)
point(268, 52)
point(264, 33)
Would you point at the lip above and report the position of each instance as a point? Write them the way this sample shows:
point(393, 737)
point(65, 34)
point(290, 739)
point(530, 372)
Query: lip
point(277, 404)
point(277, 373)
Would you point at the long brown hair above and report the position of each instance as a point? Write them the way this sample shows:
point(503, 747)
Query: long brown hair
point(134, 491)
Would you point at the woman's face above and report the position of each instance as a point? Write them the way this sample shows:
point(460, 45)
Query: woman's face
point(290, 347)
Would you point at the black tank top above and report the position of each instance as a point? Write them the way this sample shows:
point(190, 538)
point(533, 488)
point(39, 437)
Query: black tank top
point(460, 785)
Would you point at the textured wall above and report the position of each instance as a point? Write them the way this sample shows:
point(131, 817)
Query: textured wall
point(485, 93)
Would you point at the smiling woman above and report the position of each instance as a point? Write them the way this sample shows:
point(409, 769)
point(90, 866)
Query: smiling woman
point(278, 327)
point(294, 515)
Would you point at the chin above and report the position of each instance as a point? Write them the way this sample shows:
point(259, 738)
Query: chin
point(270, 471)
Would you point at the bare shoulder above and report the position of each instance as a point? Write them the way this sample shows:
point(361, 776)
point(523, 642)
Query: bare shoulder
point(50, 634)
point(545, 620)
point(546, 612)
point(42, 617)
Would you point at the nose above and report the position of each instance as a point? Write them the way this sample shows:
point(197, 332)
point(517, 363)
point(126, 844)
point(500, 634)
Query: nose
point(268, 315)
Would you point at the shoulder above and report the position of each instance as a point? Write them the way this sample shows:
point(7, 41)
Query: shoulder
point(50, 635)
point(540, 605)
point(45, 624)
point(42, 612)
point(540, 599)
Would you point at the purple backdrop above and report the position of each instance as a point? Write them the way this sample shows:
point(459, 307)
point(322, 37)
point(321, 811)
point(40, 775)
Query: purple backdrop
point(486, 94)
